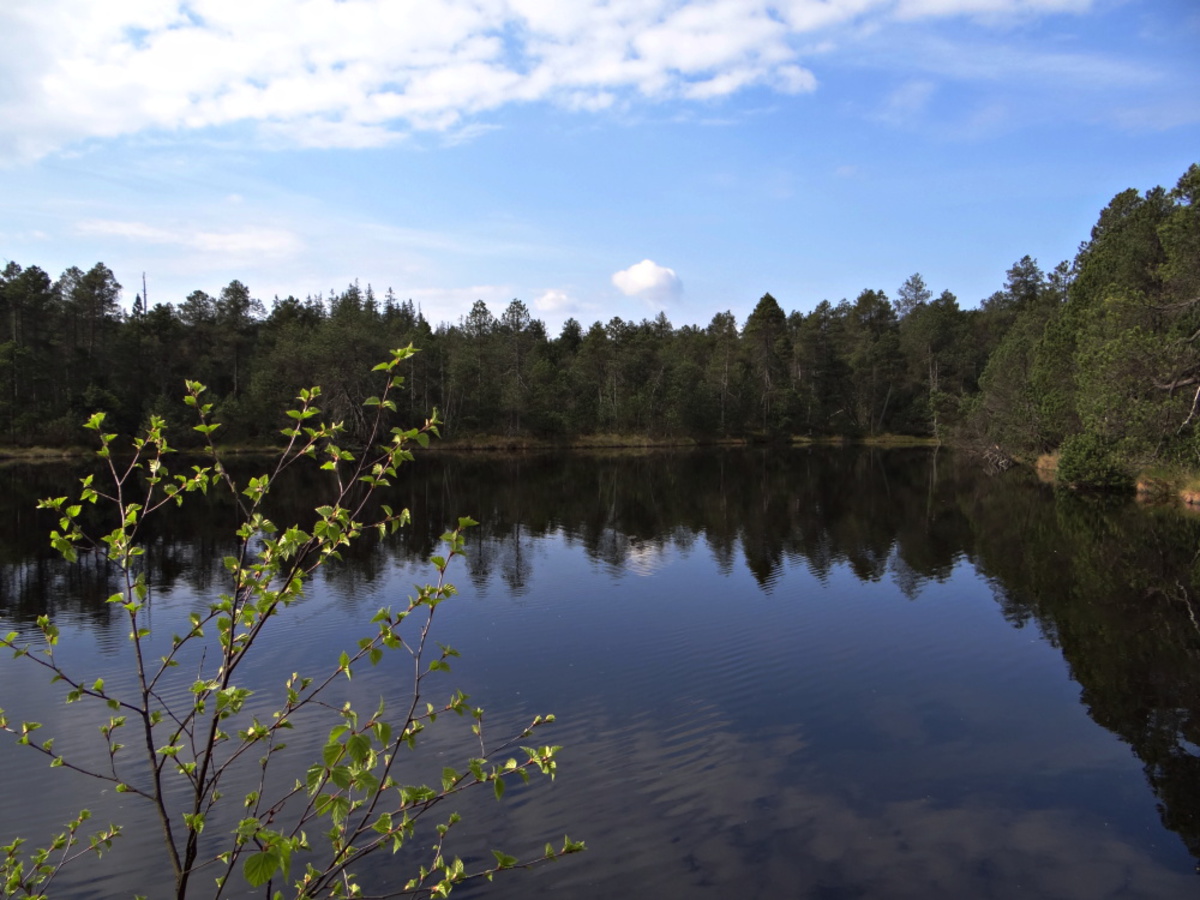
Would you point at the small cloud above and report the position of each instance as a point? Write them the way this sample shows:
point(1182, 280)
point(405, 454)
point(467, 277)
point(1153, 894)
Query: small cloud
point(555, 306)
point(553, 301)
point(846, 171)
point(649, 281)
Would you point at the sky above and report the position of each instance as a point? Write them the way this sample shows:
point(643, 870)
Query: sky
point(592, 158)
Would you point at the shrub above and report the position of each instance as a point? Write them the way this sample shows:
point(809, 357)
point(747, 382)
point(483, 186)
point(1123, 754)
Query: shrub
point(1086, 460)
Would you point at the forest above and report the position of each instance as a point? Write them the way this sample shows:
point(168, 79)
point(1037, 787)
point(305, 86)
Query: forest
point(1097, 358)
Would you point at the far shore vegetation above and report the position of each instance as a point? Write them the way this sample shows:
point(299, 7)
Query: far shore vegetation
point(1093, 363)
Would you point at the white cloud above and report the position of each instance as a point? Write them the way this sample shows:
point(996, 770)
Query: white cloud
point(553, 301)
point(649, 281)
point(555, 306)
point(363, 73)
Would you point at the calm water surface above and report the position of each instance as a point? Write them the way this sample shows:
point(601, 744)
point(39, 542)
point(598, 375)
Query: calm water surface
point(809, 673)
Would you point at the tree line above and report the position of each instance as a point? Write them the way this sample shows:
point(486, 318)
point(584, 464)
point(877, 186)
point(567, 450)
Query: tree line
point(1099, 356)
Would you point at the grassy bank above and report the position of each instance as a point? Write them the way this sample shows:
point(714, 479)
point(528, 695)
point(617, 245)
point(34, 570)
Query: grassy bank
point(1153, 485)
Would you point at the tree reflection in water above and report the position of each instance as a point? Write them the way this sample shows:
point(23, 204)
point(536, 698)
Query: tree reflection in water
point(1113, 585)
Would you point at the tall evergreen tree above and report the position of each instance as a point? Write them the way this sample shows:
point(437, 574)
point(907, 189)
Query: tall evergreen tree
point(768, 349)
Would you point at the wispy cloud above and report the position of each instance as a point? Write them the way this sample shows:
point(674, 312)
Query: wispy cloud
point(1003, 62)
point(253, 242)
point(364, 73)
point(975, 84)
point(911, 9)
point(906, 103)
point(1173, 112)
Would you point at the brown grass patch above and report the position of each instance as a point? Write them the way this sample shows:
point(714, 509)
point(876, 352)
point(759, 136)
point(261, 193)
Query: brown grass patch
point(1046, 467)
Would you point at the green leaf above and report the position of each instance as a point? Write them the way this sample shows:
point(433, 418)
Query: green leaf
point(383, 733)
point(359, 748)
point(313, 778)
point(260, 867)
point(331, 752)
point(334, 805)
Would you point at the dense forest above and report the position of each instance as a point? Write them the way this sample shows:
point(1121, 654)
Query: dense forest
point(1098, 358)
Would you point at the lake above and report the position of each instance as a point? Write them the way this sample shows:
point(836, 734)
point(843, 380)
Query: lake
point(804, 673)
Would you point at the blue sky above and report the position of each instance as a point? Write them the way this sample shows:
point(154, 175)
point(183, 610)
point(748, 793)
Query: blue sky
point(593, 158)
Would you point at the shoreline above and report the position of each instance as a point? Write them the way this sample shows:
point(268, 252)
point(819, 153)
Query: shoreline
point(1150, 486)
point(504, 443)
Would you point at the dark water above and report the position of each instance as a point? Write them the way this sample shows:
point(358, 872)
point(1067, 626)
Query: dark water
point(811, 673)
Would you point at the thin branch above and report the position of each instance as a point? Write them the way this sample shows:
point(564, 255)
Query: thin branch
point(1191, 413)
